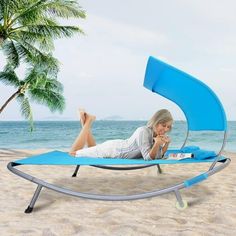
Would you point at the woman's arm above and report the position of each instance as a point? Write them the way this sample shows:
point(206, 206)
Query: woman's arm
point(154, 151)
point(144, 141)
point(149, 150)
point(166, 139)
point(158, 142)
point(164, 149)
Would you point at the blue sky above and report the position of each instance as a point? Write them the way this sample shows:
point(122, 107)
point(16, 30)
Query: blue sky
point(103, 70)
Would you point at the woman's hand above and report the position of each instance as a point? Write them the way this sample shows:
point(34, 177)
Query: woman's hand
point(166, 139)
point(158, 140)
point(161, 139)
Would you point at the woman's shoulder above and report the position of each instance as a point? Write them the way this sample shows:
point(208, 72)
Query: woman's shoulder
point(145, 129)
point(144, 133)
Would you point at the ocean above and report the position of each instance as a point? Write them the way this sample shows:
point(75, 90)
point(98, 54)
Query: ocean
point(61, 134)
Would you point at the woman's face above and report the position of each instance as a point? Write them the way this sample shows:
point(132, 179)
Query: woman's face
point(162, 128)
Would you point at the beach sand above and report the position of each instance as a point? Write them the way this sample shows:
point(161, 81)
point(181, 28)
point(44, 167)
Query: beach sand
point(211, 211)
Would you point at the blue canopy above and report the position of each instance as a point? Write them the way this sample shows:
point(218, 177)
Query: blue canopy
point(201, 106)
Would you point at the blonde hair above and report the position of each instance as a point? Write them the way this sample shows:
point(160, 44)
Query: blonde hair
point(160, 117)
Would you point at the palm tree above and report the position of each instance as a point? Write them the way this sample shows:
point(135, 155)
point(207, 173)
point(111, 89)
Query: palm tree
point(27, 31)
point(28, 28)
point(38, 85)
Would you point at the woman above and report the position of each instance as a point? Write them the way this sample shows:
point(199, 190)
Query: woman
point(149, 142)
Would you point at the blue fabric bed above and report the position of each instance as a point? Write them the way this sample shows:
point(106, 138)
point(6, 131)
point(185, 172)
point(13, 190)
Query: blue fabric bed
point(63, 158)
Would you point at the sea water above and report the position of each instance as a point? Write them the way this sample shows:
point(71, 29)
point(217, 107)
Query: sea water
point(61, 134)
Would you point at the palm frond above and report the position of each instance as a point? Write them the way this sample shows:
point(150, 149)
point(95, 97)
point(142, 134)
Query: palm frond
point(37, 10)
point(9, 78)
point(54, 85)
point(16, 6)
point(3, 10)
point(11, 52)
point(25, 34)
point(32, 75)
point(64, 8)
point(48, 84)
point(46, 63)
point(26, 110)
point(54, 31)
point(34, 56)
point(45, 44)
point(52, 8)
point(53, 100)
point(28, 13)
point(47, 21)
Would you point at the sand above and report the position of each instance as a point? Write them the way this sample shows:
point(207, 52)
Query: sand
point(211, 211)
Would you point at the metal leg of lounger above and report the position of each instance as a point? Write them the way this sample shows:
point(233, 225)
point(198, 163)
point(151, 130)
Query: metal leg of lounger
point(159, 169)
point(76, 171)
point(30, 208)
point(179, 198)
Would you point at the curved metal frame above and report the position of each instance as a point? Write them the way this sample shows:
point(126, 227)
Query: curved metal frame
point(218, 155)
point(11, 166)
point(119, 168)
point(123, 168)
point(185, 141)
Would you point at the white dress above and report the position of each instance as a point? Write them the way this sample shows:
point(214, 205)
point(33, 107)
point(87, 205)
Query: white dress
point(137, 146)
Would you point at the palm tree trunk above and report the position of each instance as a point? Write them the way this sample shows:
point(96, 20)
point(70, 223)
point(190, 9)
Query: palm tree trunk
point(9, 99)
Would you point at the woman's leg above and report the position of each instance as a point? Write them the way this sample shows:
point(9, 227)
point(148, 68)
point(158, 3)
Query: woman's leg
point(82, 138)
point(90, 139)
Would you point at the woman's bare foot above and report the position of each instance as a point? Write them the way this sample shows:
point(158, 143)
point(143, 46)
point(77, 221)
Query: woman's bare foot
point(72, 153)
point(82, 115)
point(90, 118)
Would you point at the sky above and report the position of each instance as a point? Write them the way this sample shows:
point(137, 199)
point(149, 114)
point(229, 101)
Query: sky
point(103, 70)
